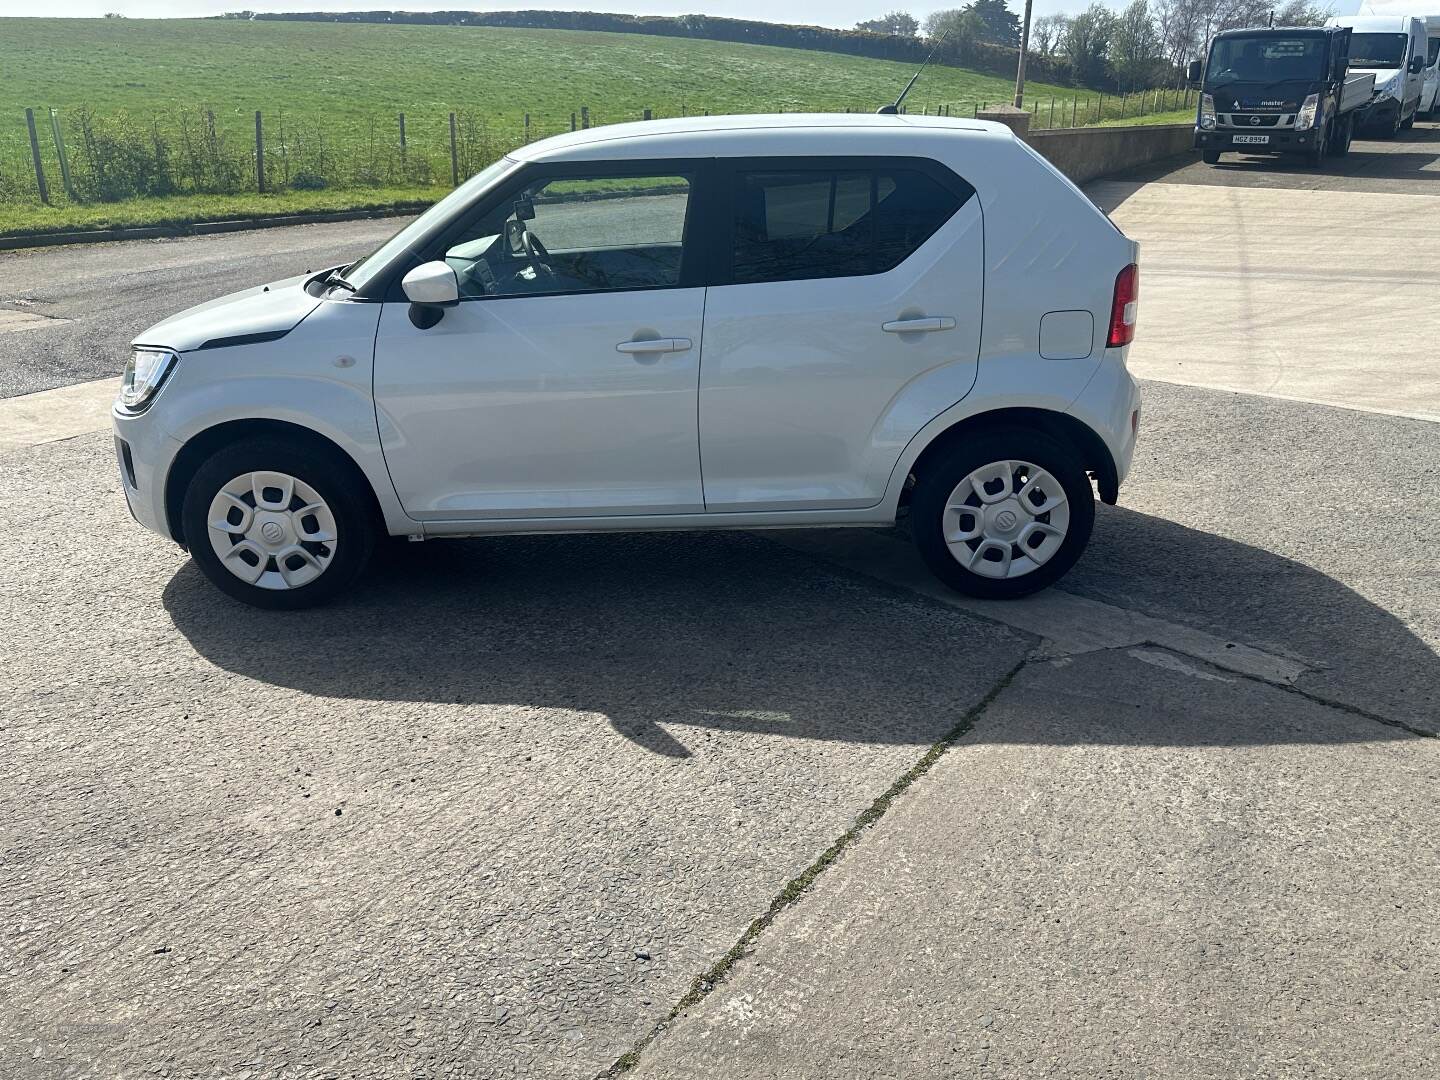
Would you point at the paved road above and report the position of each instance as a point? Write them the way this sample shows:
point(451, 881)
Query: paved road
point(496, 814)
point(108, 293)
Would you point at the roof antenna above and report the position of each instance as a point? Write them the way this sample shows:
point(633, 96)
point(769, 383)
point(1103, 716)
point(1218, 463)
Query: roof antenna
point(892, 110)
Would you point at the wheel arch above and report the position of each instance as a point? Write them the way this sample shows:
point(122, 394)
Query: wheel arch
point(1095, 456)
point(204, 444)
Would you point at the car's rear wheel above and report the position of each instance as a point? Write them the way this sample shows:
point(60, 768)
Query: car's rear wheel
point(279, 522)
point(1003, 513)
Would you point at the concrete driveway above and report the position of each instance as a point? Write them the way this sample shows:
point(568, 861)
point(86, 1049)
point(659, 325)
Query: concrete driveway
point(746, 805)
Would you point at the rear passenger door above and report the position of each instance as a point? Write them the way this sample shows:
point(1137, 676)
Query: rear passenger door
point(841, 286)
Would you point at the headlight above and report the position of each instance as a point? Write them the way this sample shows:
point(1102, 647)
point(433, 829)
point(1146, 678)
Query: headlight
point(1207, 111)
point(144, 375)
point(1309, 112)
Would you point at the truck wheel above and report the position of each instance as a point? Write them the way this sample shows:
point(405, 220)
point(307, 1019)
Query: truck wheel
point(1344, 135)
point(1210, 157)
point(1410, 123)
point(1316, 157)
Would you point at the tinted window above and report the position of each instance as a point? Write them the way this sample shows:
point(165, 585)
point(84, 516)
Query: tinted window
point(833, 223)
point(576, 235)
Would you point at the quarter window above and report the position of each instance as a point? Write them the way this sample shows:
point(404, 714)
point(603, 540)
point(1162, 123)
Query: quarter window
point(576, 235)
point(801, 224)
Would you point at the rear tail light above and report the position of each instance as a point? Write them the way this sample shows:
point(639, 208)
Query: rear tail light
point(1124, 307)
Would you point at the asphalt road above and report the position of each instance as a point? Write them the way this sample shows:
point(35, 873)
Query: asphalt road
point(518, 801)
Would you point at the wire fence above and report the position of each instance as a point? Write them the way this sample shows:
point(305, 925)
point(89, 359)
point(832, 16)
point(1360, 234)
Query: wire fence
point(81, 155)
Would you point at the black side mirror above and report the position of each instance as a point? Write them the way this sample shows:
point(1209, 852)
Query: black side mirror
point(1193, 72)
point(1416, 65)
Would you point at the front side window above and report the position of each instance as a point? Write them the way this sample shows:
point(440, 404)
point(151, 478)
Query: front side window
point(817, 223)
point(568, 235)
point(1433, 50)
point(1377, 50)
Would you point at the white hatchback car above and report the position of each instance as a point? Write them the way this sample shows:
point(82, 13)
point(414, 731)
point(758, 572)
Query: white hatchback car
point(728, 322)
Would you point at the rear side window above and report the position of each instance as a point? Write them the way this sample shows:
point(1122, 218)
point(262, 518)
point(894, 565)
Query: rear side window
point(824, 223)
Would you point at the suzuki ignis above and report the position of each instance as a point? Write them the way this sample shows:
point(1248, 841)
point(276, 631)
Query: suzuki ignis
point(727, 322)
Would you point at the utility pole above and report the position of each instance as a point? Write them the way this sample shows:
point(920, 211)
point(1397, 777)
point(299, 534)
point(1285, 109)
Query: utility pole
point(1020, 68)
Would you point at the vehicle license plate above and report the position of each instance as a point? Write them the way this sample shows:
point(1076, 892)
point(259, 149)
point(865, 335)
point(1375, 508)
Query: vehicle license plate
point(1251, 139)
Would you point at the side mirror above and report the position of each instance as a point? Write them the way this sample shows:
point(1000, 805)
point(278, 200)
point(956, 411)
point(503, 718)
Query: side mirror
point(430, 287)
point(1416, 65)
point(1193, 72)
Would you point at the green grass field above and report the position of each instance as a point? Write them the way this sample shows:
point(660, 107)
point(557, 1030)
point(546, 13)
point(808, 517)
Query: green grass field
point(338, 87)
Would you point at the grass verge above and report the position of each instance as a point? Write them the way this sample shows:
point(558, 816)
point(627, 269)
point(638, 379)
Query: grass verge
point(25, 219)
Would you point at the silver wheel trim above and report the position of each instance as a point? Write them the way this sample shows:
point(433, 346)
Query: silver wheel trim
point(1006, 519)
point(272, 530)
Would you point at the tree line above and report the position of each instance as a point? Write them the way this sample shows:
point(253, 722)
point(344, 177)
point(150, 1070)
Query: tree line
point(1145, 44)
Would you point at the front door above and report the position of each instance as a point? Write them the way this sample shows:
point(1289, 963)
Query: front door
point(564, 383)
point(848, 284)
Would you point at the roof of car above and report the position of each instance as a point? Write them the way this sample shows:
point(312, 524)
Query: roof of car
point(710, 136)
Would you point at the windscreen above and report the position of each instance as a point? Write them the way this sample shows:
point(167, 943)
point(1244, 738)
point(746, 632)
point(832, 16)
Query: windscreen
point(1266, 59)
point(1377, 50)
point(361, 273)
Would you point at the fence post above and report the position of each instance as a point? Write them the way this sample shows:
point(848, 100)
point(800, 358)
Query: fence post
point(35, 154)
point(585, 116)
point(1051, 122)
point(454, 157)
point(648, 115)
point(402, 140)
point(527, 127)
point(572, 121)
point(60, 153)
point(259, 155)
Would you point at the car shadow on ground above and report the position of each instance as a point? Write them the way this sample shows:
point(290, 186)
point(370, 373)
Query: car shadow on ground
point(729, 631)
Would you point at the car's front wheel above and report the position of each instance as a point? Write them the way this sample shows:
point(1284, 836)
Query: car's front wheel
point(279, 522)
point(1003, 513)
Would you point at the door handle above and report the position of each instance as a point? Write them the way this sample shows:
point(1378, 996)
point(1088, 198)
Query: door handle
point(655, 345)
point(919, 326)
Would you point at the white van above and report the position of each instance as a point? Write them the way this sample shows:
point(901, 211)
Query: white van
point(1430, 95)
point(1430, 92)
point(1393, 48)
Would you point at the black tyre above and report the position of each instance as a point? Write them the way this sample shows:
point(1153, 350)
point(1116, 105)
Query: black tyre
point(1003, 513)
point(1344, 135)
point(1210, 157)
point(279, 522)
point(1316, 156)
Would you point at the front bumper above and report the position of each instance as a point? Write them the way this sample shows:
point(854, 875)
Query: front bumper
point(144, 453)
point(1280, 140)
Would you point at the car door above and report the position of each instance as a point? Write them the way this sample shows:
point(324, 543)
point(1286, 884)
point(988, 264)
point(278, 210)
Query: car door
point(848, 282)
point(564, 382)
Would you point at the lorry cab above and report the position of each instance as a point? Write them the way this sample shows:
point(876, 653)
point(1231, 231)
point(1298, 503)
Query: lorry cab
point(1394, 49)
point(1279, 90)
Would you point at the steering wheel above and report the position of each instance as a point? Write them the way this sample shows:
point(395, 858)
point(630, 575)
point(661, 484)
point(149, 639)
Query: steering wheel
point(536, 250)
